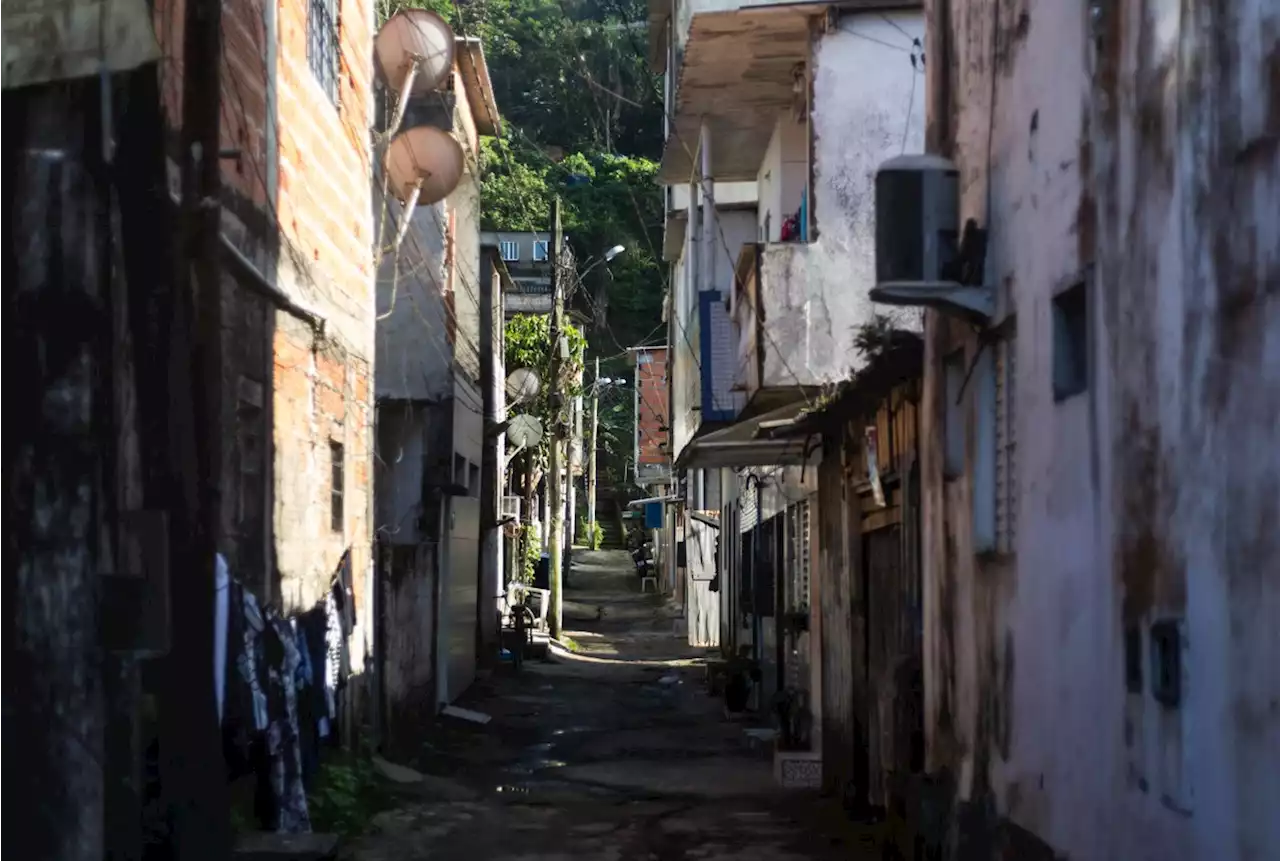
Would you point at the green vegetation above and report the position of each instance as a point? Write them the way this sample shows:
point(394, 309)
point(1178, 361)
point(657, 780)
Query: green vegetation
point(348, 792)
point(530, 554)
point(582, 119)
point(591, 535)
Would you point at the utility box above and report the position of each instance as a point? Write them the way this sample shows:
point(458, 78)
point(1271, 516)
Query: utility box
point(917, 221)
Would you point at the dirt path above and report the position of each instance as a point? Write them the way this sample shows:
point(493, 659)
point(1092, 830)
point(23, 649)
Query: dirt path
point(612, 753)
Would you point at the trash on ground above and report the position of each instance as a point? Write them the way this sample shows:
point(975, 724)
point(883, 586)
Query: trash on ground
point(467, 715)
point(396, 773)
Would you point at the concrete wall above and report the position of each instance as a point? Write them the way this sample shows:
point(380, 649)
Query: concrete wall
point(868, 106)
point(296, 203)
point(783, 176)
point(1142, 147)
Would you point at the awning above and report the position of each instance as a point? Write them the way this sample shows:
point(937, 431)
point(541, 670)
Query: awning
point(746, 443)
point(738, 74)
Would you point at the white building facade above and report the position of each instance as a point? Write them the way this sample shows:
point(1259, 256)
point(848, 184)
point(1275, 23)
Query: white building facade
point(778, 116)
point(1101, 478)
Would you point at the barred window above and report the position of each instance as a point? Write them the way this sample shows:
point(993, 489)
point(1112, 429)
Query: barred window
point(322, 44)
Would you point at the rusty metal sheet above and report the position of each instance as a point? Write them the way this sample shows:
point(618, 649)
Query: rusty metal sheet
point(57, 40)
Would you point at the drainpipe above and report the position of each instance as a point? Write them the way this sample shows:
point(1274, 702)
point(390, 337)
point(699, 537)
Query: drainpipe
point(439, 617)
point(708, 212)
point(270, 24)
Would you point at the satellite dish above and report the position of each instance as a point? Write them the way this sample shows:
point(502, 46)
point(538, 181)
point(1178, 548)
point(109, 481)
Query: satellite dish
point(415, 35)
point(524, 431)
point(427, 155)
point(522, 386)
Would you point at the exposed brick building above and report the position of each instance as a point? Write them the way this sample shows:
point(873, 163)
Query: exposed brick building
point(299, 234)
point(652, 459)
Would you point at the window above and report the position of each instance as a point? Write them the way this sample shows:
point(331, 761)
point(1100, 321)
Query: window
point(541, 251)
point(953, 376)
point(1070, 342)
point(459, 470)
point(249, 448)
point(323, 45)
point(509, 250)
point(473, 480)
point(1006, 448)
point(338, 484)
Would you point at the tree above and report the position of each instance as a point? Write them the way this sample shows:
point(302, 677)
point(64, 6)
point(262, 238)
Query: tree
point(582, 118)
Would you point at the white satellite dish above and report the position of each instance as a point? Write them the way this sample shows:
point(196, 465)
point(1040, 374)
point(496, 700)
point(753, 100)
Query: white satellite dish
point(415, 36)
point(425, 165)
point(522, 386)
point(524, 431)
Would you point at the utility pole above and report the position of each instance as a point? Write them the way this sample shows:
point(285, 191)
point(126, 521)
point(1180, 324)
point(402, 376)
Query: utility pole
point(192, 772)
point(574, 447)
point(555, 542)
point(591, 455)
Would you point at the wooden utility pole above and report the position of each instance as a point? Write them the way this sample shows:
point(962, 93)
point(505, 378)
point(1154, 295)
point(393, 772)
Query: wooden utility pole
point(193, 772)
point(591, 455)
point(557, 400)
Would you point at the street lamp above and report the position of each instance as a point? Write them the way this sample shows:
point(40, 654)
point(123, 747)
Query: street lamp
point(607, 257)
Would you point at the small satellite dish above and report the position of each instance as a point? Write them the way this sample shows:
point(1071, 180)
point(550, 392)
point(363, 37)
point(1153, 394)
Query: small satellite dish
point(415, 35)
point(522, 386)
point(425, 157)
point(524, 431)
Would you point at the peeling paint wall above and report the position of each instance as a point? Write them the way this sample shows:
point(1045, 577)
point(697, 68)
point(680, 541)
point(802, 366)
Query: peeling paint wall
point(868, 106)
point(1135, 153)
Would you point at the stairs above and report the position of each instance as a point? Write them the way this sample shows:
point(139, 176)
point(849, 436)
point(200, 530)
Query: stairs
point(610, 523)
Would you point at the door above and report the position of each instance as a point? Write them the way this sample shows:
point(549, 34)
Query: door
point(883, 579)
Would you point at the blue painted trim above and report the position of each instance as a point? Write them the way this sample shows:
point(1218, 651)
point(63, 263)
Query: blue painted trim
point(706, 299)
point(804, 215)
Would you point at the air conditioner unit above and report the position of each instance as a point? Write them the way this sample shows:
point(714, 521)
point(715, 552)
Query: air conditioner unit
point(510, 507)
point(922, 258)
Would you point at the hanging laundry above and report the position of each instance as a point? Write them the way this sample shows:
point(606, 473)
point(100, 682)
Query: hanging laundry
point(340, 618)
point(312, 703)
point(221, 620)
point(283, 741)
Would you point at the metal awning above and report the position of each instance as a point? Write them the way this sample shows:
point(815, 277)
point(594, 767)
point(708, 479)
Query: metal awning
point(738, 74)
point(746, 443)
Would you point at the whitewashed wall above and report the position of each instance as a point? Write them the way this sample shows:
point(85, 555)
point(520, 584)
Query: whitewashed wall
point(868, 107)
point(1154, 493)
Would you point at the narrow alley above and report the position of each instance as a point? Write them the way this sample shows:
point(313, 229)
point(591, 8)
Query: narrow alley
point(612, 751)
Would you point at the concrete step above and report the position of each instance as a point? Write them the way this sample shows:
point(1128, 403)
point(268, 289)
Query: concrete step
point(266, 846)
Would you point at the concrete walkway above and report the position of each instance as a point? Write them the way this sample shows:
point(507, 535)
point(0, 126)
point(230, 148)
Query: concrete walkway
point(612, 752)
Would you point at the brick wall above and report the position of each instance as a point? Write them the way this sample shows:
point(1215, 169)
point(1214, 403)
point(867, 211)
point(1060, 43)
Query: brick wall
point(297, 202)
point(651, 417)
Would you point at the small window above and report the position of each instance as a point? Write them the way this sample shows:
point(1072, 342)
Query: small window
point(459, 470)
point(1070, 342)
point(1133, 659)
point(338, 485)
point(953, 375)
point(250, 450)
point(323, 45)
point(509, 250)
point(473, 480)
point(541, 251)
point(1166, 663)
